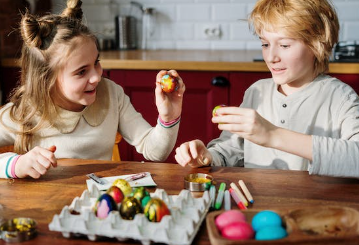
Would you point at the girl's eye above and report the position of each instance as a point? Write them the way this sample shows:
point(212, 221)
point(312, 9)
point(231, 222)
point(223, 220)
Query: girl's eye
point(265, 45)
point(82, 72)
point(97, 62)
point(285, 46)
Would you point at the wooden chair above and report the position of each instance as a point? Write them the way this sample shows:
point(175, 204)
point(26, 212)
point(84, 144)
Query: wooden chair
point(115, 150)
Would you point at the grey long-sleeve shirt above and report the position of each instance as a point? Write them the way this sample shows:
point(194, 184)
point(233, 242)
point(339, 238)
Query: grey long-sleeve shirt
point(327, 109)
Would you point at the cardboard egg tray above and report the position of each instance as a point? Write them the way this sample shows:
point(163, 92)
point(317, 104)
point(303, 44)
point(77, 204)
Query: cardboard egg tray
point(187, 214)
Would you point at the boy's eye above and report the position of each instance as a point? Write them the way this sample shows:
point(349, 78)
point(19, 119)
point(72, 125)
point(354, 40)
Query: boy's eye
point(265, 45)
point(97, 61)
point(285, 46)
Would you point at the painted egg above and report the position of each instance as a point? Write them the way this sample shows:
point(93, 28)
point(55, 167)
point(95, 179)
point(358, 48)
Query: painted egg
point(238, 231)
point(124, 186)
point(271, 233)
point(266, 218)
point(155, 209)
point(169, 83)
point(145, 200)
point(215, 109)
point(228, 217)
point(139, 193)
point(104, 205)
point(115, 193)
point(130, 206)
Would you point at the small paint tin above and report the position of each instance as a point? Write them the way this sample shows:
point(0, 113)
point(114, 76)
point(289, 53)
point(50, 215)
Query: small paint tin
point(197, 182)
point(18, 230)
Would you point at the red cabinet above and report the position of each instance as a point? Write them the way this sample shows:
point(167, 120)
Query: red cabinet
point(199, 100)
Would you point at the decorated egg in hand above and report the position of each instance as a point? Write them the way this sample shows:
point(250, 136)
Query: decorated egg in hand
point(169, 83)
point(155, 209)
point(115, 193)
point(104, 205)
point(215, 109)
point(124, 186)
point(130, 206)
point(139, 193)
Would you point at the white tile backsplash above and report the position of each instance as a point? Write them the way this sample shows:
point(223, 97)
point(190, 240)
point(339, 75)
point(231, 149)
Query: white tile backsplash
point(181, 24)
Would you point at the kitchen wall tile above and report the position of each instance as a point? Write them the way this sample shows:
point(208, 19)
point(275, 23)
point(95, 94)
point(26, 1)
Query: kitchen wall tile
point(180, 24)
point(229, 12)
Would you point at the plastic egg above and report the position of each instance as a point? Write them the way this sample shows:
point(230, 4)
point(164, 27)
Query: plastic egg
point(271, 233)
point(169, 83)
point(238, 231)
point(115, 193)
point(228, 217)
point(130, 206)
point(145, 200)
point(139, 193)
point(124, 186)
point(104, 205)
point(215, 109)
point(266, 218)
point(155, 209)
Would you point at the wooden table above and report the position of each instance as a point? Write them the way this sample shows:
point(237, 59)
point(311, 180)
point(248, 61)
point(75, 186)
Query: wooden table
point(272, 189)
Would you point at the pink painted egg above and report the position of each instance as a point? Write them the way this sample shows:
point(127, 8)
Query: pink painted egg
point(228, 217)
point(238, 231)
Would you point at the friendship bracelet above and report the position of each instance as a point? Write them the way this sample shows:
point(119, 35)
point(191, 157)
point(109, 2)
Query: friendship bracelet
point(169, 124)
point(7, 166)
point(13, 167)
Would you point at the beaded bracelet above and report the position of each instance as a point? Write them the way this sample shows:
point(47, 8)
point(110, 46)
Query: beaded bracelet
point(13, 167)
point(169, 124)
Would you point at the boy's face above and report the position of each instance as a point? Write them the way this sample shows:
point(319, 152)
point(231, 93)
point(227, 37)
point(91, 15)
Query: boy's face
point(290, 61)
point(77, 82)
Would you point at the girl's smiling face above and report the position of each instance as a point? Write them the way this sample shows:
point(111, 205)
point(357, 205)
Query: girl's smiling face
point(290, 61)
point(77, 81)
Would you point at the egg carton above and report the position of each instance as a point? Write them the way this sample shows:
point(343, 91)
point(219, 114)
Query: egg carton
point(181, 227)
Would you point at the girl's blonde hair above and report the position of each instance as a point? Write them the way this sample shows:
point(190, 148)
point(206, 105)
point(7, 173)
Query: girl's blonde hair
point(314, 22)
point(47, 42)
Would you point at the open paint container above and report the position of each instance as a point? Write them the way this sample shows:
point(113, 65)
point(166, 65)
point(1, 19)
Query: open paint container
point(197, 182)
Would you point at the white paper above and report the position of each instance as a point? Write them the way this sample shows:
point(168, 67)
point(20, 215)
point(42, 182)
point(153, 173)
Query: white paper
point(145, 181)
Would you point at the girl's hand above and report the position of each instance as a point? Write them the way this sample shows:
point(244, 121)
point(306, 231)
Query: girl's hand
point(36, 162)
point(193, 153)
point(169, 105)
point(246, 123)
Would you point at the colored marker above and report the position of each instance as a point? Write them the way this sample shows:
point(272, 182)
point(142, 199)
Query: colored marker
point(237, 199)
point(239, 194)
point(246, 191)
point(220, 196)
point(212, 194)
point(227, 200)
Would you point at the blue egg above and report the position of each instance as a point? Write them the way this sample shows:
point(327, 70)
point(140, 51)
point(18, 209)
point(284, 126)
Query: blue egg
point(266, 218)
point(271, 233)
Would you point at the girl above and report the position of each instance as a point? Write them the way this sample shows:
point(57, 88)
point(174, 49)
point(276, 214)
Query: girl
point(300, 119)
point(64, 104)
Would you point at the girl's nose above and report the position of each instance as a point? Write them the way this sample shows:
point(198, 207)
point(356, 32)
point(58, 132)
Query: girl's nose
point(96, 75)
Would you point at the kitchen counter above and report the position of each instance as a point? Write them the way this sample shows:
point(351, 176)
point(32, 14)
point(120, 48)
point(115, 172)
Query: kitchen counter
point(193, 60)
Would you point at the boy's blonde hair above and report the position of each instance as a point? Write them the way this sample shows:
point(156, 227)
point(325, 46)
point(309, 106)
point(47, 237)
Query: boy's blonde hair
point(314, 22)
point(48, 42)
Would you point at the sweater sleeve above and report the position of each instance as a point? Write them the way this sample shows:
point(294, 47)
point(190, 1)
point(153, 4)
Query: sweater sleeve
point(227, 150)
point(154, 143)
point(339, 157)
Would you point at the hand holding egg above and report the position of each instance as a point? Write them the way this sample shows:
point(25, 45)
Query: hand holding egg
point(169, 95)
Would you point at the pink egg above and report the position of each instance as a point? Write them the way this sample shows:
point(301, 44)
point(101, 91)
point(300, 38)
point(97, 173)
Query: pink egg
point(238, 231)
point(229, 217)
